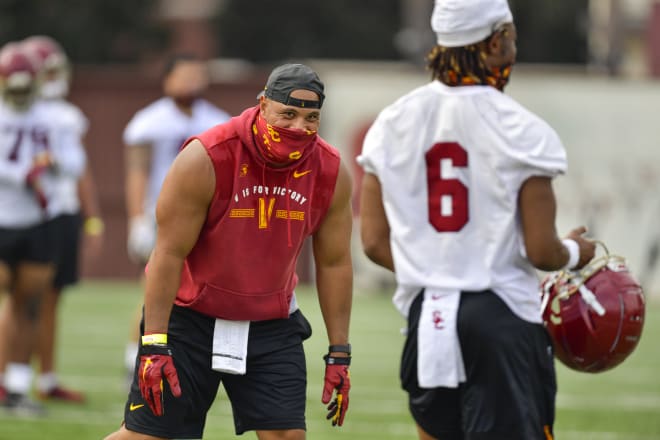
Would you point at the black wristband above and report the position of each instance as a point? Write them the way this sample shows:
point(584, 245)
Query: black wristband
point(336, 360)
point(156, 349)
point(340, 349)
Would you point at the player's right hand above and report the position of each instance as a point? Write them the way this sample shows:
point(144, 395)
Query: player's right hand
point(141, 238)
point(155, 363)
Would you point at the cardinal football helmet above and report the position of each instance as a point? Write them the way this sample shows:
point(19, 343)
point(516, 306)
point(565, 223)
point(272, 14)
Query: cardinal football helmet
point(54, 65)
point(18, 76)
point(595, 315)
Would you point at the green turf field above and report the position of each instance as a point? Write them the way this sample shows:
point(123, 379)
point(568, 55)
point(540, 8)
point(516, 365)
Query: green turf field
point(623, 404)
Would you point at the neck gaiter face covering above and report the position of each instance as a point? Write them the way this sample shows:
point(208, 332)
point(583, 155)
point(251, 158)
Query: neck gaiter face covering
point(280, 146)
point(499, 76)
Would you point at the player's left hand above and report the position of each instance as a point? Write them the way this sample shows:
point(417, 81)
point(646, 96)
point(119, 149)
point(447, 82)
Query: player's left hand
point(337, 378)
point(41, 164)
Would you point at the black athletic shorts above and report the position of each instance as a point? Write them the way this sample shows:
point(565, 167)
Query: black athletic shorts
point(66, 229)
point(510, 387)
point(33, 244)
point(270, 396)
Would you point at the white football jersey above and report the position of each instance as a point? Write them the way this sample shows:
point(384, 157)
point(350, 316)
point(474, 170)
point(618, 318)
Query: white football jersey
point(24, 135)
point(451, 161)
point(70, 157)
point(164, 127)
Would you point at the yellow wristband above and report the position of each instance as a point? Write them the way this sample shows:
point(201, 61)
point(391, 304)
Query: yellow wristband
point(154, 339)
point(93, 226)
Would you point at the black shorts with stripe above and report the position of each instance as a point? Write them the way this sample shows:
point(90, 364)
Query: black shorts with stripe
point(510, 386)
point(270, 396)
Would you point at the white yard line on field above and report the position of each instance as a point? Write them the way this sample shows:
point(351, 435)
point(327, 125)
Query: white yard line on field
point(623, 402)
point(584, 435)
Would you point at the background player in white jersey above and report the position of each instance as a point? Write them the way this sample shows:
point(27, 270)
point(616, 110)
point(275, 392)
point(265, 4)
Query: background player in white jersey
point(74, 198)
point(153, 138)
point(30, 136)
point(457, 200)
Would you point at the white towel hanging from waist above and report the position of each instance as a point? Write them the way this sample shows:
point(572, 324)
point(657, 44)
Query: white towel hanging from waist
point(439, 358)
point(230, 341)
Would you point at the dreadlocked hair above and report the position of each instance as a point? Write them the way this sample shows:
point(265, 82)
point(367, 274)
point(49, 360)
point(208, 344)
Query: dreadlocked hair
point(456, 66)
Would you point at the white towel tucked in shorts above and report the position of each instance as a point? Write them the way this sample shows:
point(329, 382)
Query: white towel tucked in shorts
point(439, 359)
point(230, 341)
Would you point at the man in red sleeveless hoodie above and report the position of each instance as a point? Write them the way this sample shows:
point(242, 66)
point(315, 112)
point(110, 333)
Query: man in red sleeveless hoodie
point(220, 306)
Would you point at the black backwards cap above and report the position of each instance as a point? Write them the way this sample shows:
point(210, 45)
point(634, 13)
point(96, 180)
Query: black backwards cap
point(286, 78)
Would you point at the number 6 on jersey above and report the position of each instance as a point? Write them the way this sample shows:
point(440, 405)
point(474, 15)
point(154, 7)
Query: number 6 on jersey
point(448, 197)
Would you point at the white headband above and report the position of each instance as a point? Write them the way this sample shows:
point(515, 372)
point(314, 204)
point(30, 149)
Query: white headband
point(462, 22)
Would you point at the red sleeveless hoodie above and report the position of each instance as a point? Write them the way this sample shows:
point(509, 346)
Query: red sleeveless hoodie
point(243, 264)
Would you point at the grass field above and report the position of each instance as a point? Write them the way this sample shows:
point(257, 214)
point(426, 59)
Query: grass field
point(622, 404)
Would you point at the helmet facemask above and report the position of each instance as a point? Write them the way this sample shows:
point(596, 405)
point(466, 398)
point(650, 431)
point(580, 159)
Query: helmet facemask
point(19, 90)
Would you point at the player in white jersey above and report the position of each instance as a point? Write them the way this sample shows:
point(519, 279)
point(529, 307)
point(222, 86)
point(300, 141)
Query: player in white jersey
point(30, 138)
point(457, 200)
point(73, 199)
point(153, 138)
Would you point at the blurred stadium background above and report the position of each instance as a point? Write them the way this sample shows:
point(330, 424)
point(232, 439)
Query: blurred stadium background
point(591, 68)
